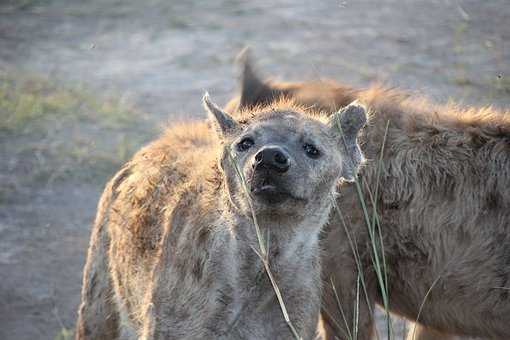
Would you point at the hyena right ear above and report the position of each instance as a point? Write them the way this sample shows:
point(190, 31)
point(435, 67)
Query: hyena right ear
point(347, 123)
point(222, 122)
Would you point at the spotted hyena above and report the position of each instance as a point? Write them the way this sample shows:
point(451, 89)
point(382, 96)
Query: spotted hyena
point(175, 252)
point(438, 176)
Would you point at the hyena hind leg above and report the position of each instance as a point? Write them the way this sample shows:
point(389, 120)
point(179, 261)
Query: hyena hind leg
point(98, 315)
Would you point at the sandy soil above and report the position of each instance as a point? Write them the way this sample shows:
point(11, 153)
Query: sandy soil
point(161, 55)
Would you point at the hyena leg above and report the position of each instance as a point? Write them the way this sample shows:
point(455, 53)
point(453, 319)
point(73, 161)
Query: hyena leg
point(98, 315)
point(419, 332)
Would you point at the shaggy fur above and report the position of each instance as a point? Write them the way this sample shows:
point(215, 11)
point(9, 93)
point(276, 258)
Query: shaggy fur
point(443, 203)
point(172, 251)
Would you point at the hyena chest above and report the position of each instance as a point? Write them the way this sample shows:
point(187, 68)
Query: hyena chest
point(256, 314)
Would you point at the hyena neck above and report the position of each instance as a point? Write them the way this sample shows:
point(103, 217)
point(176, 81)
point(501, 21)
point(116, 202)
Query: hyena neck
point(292, 248)
point(294, 261)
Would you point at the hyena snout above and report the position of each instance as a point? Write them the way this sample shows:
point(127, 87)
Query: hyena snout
point(271, 178)
point(272, 158)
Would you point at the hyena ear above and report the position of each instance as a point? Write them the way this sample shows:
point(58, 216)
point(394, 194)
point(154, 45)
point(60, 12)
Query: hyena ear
point(222, 122)
point(347, 123)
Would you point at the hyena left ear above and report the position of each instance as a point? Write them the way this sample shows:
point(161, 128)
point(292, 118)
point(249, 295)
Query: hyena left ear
point(222, 122)
point(347, 123)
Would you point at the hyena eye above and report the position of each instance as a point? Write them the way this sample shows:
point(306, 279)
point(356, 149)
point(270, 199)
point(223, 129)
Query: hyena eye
point(311, 151)
point(245, 144)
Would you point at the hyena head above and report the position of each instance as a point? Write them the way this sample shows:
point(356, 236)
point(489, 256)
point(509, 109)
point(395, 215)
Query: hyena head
point(281, 162)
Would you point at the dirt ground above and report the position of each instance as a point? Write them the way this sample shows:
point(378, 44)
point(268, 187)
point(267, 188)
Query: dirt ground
point(156, 58)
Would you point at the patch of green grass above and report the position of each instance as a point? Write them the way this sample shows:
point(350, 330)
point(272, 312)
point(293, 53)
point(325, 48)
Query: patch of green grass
point(29, 103)
point(64, 334)
point(22, 4)
point(49, 131)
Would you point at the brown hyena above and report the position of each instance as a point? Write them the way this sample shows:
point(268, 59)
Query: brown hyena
point(173, 253)
point(443, 205)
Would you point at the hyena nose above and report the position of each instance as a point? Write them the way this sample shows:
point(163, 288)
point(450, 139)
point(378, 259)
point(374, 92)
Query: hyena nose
point(272, 158)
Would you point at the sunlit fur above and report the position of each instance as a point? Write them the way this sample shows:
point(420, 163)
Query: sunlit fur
point(444, 204)
point(171, 255)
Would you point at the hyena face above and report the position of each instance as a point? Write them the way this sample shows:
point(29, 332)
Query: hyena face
point(289, 161)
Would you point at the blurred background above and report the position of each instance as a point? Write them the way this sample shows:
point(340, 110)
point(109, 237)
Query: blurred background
point(83, 84)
